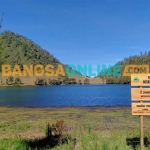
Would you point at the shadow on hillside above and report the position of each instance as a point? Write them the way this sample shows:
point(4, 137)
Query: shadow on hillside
point(48, 142)
point(135, 141)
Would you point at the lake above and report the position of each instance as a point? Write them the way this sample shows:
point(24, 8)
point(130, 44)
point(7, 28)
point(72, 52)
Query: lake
point(66, 95)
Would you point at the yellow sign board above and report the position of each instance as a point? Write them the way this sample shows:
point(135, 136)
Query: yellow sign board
point(140, 109)
point(140, 80)
point(140, 94)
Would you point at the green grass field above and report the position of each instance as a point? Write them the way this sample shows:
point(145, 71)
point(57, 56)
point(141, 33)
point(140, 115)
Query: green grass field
point(94, 128)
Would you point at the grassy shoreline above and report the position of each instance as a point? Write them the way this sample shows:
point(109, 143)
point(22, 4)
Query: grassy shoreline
point(106, 124)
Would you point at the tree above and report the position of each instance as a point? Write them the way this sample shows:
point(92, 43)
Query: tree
point(79, 82)
point(0, 55)
point(1, 44)
point(72, 81)
point(86, 81)
point(1, 21)
point(65, 80)
point(40, 81)
point(10, 80)
point(54, 82)
point(18, 81)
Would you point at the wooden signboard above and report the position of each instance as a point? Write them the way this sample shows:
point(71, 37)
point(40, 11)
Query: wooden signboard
point(140, 94)
point(140, 109)
point(140, 80)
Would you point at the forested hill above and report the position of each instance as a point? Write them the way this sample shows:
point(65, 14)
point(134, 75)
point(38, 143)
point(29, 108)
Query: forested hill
point(16, 49)
point(143, 58)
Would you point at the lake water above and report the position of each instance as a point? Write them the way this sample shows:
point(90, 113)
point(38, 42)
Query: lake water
point(67, 95)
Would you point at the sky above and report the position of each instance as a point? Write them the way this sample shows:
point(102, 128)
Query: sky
point(95, 32)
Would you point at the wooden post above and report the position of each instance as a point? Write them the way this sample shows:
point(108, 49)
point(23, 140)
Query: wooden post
point(141, 130)
point(141, 133)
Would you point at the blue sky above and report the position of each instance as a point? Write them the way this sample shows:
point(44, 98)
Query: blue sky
point(82, 31)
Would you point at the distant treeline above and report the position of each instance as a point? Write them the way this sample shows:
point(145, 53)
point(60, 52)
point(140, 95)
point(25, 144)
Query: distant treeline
point(16, 81)
point(142, 59)
point(60, 81)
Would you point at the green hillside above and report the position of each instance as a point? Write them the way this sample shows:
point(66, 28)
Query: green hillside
point(16, 49)
point(142, 59)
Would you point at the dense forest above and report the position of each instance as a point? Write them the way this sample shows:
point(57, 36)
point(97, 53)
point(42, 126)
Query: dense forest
point(143, 58)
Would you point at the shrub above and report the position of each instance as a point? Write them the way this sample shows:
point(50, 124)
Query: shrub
point(40, 81)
